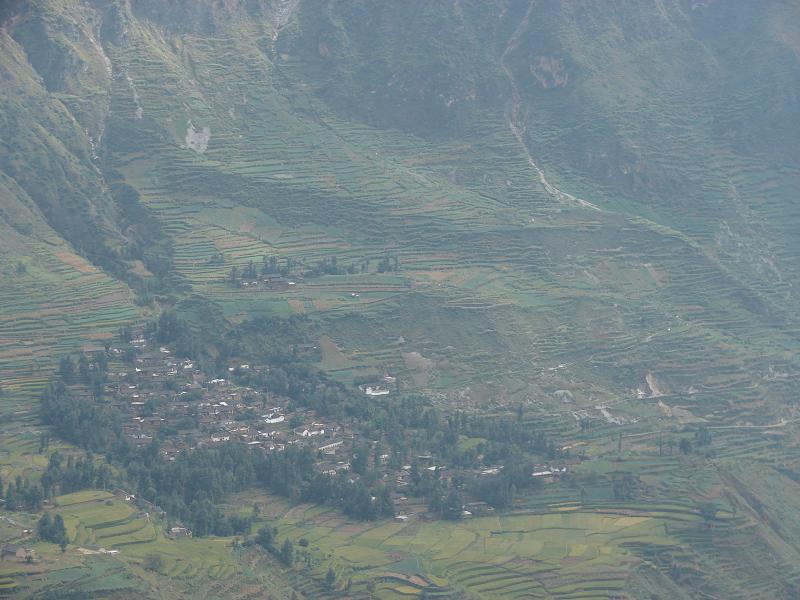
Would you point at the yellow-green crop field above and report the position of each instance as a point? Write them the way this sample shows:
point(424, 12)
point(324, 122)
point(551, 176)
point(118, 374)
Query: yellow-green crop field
point(580, 553)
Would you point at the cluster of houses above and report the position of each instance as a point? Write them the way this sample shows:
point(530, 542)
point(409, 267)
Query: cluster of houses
point(274, 283)
point(15, 551)
point(161, 392)
point(549, 473)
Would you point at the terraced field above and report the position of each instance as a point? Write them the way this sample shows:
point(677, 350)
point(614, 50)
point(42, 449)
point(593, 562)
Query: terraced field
point(509, 291)
point(582, 552)
point(496, 275)
point(592, 213)
point(97, 522)
point(100, 519)
point(57, 303)
point(575, 541)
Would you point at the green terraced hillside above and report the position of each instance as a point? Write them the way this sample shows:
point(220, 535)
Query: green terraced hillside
point(588, 209)
point(564, 214)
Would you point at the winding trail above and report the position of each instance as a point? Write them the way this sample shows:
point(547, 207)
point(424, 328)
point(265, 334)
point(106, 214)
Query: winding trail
point(777, 425)
point(517, 124)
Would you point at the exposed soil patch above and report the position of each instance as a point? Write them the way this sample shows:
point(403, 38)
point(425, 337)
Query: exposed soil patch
point(197, 139)
point(550, 72)
point(420, 367)
point(297, 306)
point(75, 261)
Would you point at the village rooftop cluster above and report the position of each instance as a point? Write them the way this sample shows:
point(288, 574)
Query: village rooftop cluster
point(168, 398)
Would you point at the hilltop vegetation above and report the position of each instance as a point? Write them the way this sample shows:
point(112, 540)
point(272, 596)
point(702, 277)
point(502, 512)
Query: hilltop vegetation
point(581, 215)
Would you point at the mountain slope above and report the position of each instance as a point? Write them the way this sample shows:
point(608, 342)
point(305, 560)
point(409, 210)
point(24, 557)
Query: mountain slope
point(55, 220)
point(215, 108)
point(587, 209)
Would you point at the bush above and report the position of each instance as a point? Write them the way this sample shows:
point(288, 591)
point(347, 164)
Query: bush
point(154, 562)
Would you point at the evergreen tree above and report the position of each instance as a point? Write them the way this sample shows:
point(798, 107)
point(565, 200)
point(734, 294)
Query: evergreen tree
point(66, 369)
point(330, 578)
point(287, 553)
point(265, 538)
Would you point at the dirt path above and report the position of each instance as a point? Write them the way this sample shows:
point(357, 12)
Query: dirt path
point(777, 425)
point(780, 423)
point(516, 123)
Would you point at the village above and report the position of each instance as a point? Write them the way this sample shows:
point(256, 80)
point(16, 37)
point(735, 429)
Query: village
point(168, 398)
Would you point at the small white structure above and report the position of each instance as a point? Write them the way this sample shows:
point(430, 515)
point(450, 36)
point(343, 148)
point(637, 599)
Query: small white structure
point(330, 448)
point(375, 390)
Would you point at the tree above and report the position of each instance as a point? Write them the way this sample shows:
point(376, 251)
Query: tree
point(52, 529)
point(624, 487)
point(66, 369)
point(125, 334)
point(287, 553)
point(386, 505)
point(83, 368)
point(359, 461)
point(265, 538)
point(702, 437)
point(59, 528)
point(708, 511)
point(452, 506)
point(45, 525)
point(330, 578)
point(154, 562)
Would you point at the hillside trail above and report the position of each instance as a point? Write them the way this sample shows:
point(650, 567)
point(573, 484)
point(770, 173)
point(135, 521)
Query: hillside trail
point(516, 123)
point(783, 422)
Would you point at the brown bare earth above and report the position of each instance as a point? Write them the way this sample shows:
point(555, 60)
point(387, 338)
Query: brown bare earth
point(75, 261)
point(297, 306)
point(419, 366)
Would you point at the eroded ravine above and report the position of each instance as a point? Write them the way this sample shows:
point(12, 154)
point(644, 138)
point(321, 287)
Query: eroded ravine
point(517, 124)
